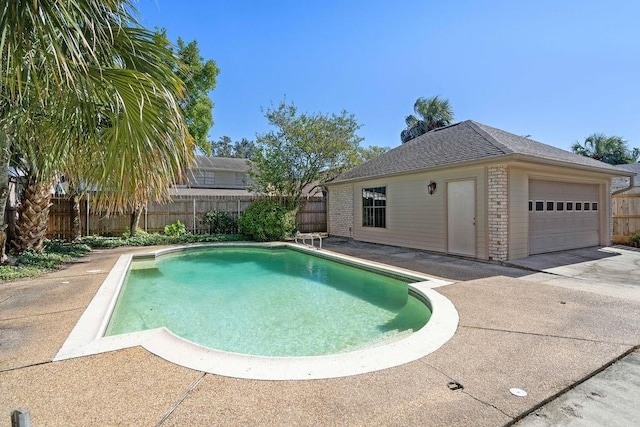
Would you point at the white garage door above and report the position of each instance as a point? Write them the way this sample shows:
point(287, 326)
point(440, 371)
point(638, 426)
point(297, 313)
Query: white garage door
point(562, 216)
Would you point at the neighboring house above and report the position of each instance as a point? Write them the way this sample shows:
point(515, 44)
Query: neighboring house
point(621, 184)
point(216, 176)
point(224, 176)
point(474, 190)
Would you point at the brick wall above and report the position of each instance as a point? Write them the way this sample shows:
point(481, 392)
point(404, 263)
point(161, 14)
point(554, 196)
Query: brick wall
point(340, 211)
point(498, 213)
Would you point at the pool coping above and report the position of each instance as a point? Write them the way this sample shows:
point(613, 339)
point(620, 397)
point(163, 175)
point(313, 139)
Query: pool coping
point(87, 338)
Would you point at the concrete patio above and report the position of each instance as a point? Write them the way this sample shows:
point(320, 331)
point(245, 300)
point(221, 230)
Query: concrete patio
point(542, 332)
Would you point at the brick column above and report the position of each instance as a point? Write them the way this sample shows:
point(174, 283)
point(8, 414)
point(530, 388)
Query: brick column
point(498, 205)
point(340, 215)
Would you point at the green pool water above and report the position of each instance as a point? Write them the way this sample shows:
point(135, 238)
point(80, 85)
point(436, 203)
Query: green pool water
point(268, 302)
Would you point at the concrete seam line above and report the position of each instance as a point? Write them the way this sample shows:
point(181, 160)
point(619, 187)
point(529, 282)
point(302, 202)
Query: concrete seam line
point(2, 371)
point(464, 389)
point(41, 314)
point(572, 386)
point(172, 409)
point(546, 335)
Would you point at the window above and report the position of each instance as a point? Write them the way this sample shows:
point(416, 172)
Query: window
point(594, 206)
point(374, 207)
point(559, 206)
point(578, 206)
point(569, 206)
point(530, 205)
point(539, 206)
point(204, 178)
point(550, 206)
point(587, 206)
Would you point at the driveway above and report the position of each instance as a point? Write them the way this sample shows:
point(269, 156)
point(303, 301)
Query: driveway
point(612, 271)
point(607, 398)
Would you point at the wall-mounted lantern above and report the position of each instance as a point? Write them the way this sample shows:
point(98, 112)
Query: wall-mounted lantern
point(431, 188)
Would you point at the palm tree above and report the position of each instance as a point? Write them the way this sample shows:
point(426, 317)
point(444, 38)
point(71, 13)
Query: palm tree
point(434, 112)
point(608, 149)
point(84, 90)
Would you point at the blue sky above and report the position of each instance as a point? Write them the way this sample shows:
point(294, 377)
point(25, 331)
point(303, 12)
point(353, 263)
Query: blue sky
point(556, 70)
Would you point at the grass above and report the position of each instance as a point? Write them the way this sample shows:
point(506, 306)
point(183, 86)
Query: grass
point(58, 252)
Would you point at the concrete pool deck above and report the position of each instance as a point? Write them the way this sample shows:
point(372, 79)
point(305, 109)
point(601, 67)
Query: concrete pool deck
point(518, 329)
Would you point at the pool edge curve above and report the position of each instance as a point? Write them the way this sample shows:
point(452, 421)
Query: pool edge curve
point(86, 337)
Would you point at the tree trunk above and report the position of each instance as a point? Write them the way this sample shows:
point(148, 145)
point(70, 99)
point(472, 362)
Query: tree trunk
point(5, 155)
point(74, 217)
point(135, 220)
point(33, 217)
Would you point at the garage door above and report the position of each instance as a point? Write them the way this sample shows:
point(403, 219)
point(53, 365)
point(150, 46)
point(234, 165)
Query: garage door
point(562, 216)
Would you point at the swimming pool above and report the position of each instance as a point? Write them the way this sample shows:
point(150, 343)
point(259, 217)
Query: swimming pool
point(266, 301)
point(88, 336)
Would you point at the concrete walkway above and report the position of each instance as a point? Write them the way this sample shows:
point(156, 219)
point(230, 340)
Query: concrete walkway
point(513, 333)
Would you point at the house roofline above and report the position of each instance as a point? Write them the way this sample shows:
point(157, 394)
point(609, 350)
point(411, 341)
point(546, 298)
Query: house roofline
point(611, 172)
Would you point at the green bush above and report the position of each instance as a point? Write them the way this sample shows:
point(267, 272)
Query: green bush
point(218, 222)
point(146, 239)
point(634, 240)
point(175, 229)
point(267, 220)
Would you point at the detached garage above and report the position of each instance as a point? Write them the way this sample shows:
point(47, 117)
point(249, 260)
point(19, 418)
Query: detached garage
point(474, 190)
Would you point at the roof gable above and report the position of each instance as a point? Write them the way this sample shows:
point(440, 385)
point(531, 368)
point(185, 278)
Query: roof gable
point(461, 143)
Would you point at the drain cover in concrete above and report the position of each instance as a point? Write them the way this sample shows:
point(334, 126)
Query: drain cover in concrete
point(518, 392)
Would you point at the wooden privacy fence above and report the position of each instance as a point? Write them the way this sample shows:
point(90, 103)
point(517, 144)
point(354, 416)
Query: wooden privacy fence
point(312, 217)
point(626, 216)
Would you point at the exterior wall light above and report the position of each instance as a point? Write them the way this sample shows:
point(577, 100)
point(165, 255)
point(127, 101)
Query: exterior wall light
point(431, 188)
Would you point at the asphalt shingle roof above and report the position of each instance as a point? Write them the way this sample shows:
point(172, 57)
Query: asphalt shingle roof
point(461, 143)
point(222, 163)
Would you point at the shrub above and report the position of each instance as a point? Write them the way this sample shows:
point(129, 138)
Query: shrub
point(634, 240)
point(31, 263)
point(267, 220)
point(175, 229)
point(218, 222)
point(146, 239)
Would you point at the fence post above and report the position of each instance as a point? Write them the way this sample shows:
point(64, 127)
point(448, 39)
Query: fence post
point(194, 215)
point(88, 195)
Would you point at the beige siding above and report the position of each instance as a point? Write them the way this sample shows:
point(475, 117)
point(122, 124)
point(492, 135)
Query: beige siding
point(221, 179)
point(415, 218)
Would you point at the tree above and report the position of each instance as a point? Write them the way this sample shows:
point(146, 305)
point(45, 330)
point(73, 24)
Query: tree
point(608, 149)
point(303, 149)
point(222, 148)
point(367, 153)
point(244, 149)
point(80, 82)
point(434, 112)
point(200, 77)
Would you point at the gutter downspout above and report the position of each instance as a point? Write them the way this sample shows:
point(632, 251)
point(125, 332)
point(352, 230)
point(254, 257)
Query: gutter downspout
point(629, 187)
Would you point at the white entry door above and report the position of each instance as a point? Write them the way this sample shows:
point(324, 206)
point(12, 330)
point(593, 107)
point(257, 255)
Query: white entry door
point(461, 217)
